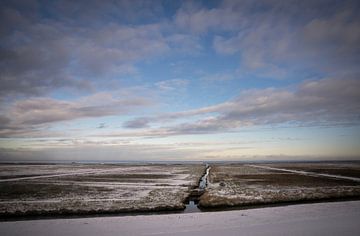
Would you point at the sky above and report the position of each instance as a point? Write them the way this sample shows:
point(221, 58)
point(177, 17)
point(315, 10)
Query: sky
point(179, 80)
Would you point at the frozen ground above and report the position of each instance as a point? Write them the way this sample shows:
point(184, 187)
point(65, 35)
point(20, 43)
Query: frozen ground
point(240, 185)
point(336, 218)
point(302, 172)
point(344, 169)
point(30, 190)
point(94, 188)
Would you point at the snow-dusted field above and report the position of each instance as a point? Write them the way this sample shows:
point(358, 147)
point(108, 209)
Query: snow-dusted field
point(336, 218)
point(345, 169)
point(239, 185)
point(27, 190)
point(94, 188)
point(309, 173)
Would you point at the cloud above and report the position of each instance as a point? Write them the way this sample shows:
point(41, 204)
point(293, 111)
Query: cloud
point(43, 48)
point(4, 122)
point(199, 20)
point(137, 123)
point(113, 49)
point(143, 122)
point(336, 38)
point(45, 57)
point(100, 152)
point(83, 12)
point(101, 126)
point(71, 45)
point(46, 110)
point(328, 102)
point(30, 116)
point(218, 77)
point(184, 43)
point(172, 84)
point(277, 39)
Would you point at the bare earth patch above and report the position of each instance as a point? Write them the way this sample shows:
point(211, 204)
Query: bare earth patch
point(93, 188)
point(242, 185)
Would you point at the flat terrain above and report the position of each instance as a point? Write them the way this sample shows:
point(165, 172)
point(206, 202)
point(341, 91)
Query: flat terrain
point(342, 169)
point(335, 218)
point(76, 189)
point(243, 185)
point(94, 188)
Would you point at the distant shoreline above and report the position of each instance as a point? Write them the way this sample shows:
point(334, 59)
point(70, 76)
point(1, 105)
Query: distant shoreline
point(174, 162)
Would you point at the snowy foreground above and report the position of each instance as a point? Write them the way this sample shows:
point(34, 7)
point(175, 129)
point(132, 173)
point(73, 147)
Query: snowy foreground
point(335, 218)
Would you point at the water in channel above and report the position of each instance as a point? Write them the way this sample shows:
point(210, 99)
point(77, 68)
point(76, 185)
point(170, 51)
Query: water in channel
point(192, 204)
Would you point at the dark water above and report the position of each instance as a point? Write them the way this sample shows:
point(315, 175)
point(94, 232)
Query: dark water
point(204, 179)
point(192, 205)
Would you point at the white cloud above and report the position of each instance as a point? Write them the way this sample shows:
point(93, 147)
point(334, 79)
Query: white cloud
point(172, 84)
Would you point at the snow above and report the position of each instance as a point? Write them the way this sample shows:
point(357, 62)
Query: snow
point(239, 185)
point(335, 218)
point(61, 175)
point(99, 188)
point(307, 173)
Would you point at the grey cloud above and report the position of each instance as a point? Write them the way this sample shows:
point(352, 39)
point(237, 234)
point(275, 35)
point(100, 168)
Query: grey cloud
point(324, 102)
point(104, 51)
point(4, 121)
point(31, 116)
point(137, 123)
point(143, 122)
point(284, 39)
point(48, 56)
point(101, 126)
point(80, 43)
point(40, 53)
point(46, 110)
point(327, 102)
point(129, 11)
point(185, 43)
point(97, 152)
point(199, 20)
point(336, 38)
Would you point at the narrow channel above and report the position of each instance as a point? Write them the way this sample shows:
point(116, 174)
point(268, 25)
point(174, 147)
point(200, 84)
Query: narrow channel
point(193, 200)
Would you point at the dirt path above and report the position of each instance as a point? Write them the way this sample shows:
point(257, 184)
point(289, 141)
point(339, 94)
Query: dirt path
point(307, 173)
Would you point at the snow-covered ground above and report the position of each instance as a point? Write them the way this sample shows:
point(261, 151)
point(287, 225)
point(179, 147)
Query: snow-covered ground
point(307, 173)
point(335, 218)
point(94, 188)
point(240, 185)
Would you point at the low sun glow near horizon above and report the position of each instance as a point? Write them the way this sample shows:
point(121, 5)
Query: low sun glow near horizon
point(179, 80)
